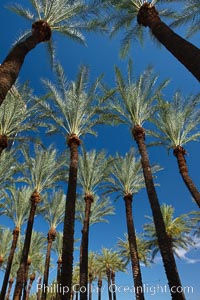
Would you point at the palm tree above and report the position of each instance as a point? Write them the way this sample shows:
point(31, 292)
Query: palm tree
point(110, 261)
point(93, 172)
point(18, 115)
point(13, 273)
point(53, 213)
point(132, 15)
point(177, 124)
point(16, 207)
point(72, 109)
point(42, 172)
point(142, 247)
point(63, 16)
point(135, 106)
point(127, 179)
point(35, 258)
point(189, 14)
point(57, 247)
point(178, 230)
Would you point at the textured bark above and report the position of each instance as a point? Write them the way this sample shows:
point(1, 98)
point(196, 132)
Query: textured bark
point(163, 240)
point(26, 279)
point(84, 247)
point(32, 278)
point(11, 280)
point(69, 219)
point(99, 288)
point(3, 142)
point(50, 238)
point(180, 153)
point(9, 70)
point(21, 273)
point(184, 51)
point(108, 273)
point(137, 276)
point(9, 263)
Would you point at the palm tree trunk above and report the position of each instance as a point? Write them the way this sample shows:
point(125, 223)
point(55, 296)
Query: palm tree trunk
point(180, 153)
point(12, 64)
point(50, 238)
point(35, 199)
point(39, 289)
point(59, 263)
point(109, 283)
point(90, 286)
point(11, 280)
point(99, 288)
point(68, 233)
point(113, 285)
point(185, 52)
point(163, 240)
point(9, 262)
point(84, 247)
point(3, 142)
point(137, 276)
point(32, 278)
point(26, 279)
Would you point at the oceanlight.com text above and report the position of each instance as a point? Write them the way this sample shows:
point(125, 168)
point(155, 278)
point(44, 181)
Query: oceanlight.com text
point(146, 289)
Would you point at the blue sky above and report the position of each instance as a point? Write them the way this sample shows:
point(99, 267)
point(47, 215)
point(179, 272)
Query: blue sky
point(101, 54)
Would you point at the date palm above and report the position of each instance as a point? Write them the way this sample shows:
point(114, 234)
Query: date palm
point(42, 172)
point(13, 273)
point(92, 173)
point(133, 15)
point(16, 207)
point(142, 247)
point(178, 230)
point(17, 116)
point(127, 179)
point(136, 105)
point(35, 258)
point(190, 15)
point(53, 213)
point(73, 110)
point(62, 16)
point(177, 124)
point(110, 261)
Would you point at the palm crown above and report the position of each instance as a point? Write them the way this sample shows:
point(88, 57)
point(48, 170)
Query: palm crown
point(137, 98)
point(72, 107)
point(177, 121)
point(66, 17)
point(44, 169)
point(124, 17)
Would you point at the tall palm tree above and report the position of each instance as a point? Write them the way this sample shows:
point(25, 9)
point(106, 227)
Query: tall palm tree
point(189, 14)
point(57, 247)
point(142, 247)
point(177, 124)
point(127, 179)
point(110, 261)
point(93, 172)
point(35, 258)
point(135, 106)
point(178, 230)
point(42, 171)
point(72, 109)
point(63, 16)
point(16, 207)
point(13, 273)
point(134, 15)
point(53, 213)
point(18, 115)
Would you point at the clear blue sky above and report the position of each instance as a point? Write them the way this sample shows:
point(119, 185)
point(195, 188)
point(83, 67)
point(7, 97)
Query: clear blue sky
point(101, 54)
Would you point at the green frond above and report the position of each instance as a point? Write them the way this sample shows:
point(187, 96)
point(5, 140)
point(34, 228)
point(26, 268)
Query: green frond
point(21, 11)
